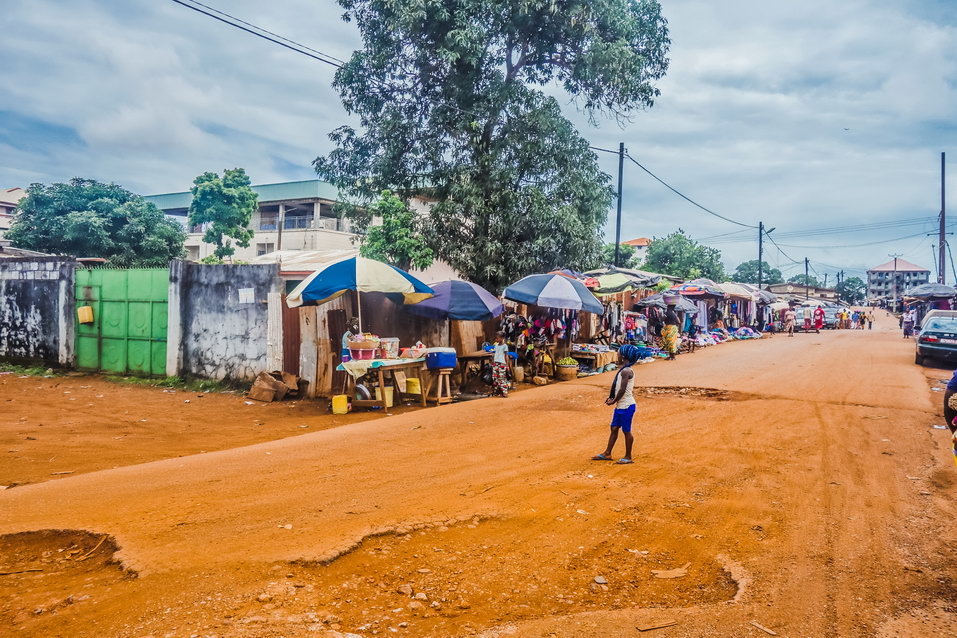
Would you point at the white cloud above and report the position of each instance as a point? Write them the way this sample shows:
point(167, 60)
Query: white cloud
point(750, 122)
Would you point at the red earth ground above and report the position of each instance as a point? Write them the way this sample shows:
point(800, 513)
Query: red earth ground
point(796, 483)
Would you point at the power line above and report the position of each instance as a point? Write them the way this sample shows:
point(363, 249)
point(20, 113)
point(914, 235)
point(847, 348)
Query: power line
point(781, 250)
point(685, 197)
point(870, 243)
point(322, 57)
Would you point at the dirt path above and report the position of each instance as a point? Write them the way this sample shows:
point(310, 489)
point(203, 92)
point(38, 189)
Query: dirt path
point(809, 493)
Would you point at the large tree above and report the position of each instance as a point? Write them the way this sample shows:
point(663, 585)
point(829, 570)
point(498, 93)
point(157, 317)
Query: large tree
point(448, 95)
point(747, 273)
point(679, 255)
point(227, 204)
point(852, 290)
point(626, 256)
point(396, 237)
point(801, 280)
point(86, 218)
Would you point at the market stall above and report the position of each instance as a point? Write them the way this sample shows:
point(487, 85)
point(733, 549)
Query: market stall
point(930, 296)
point(362, 354)
point(552, 321)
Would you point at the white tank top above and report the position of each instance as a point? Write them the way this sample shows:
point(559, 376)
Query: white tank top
point(627, 399)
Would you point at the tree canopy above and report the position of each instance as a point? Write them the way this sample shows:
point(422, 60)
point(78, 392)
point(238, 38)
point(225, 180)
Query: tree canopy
point(852, 290)
point(679, 255)
point(626, 255)
point(87, 218)
point(747, 273)
point(396, 239)
point(801, 280)
point(447, 93)
point(227, 204)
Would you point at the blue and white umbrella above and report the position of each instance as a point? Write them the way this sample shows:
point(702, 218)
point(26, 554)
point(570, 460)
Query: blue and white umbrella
point(359, 274)
point(554, 291)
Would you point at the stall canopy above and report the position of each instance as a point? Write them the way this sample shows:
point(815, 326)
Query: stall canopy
point(658, 301)
point(359, 274)
point(458, 300)
point(932, 291)
point(616, 282)
point(699, 288)
point(554, 291)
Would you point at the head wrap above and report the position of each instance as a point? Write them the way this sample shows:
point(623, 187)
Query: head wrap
point(629, 352)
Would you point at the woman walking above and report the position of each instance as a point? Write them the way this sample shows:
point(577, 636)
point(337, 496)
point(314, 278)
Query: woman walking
point(670, 334)
point(789, 317)
point(907, 323)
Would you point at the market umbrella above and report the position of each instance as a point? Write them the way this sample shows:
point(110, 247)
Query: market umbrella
point(554, 291)
point(658, 301)
point(460, 300)
point(359, 274)
point(932, 291)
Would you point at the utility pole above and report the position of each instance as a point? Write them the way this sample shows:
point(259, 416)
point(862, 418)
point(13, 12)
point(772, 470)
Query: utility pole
point(895, 256)
point(941, 270)
point(825, 280)
point(807, 281)
point(621, 171)
point(760, 252)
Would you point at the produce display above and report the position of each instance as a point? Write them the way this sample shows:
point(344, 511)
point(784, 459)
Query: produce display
point(567, 361)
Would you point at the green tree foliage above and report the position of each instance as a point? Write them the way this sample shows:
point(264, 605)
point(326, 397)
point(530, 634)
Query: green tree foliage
point(802, 280)
point(679, 255)
point(852, 290)
point(86, 218)
point(227, 204)
point(747, 273)
point(397, 239)
point(626, 256)
point(448, 94)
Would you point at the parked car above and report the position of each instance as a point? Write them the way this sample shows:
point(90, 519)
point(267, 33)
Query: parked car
point(937, 313)
point(830, 317)
point(937, 339)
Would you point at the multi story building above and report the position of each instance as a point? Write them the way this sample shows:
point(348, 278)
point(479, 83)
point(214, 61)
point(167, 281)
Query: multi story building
point(641, 248)
point(291, 216)
point(889, 281)
point(9, 198)
point(801, 290)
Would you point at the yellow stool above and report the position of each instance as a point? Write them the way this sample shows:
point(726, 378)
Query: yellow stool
point(443, 391)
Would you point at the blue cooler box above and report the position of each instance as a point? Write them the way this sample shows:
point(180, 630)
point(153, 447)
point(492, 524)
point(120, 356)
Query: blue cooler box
point(437, 358)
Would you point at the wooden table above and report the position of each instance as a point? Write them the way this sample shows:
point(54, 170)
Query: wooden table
point(479, 356)
point(599, 359)
point(383, 366)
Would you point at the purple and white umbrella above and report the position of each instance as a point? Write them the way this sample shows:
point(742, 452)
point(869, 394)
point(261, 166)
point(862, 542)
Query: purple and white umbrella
point(554, 291)
point(459, 300)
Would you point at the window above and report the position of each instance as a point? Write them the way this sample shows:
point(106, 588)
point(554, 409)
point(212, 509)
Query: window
point(192, 253)
point(268, 221)
point(262, 249)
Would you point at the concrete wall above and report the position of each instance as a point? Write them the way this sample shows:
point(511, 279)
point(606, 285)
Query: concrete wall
point(219, 320)
point(37, 309)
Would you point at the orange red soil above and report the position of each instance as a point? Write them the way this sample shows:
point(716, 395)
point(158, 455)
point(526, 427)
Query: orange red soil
point(797, 483)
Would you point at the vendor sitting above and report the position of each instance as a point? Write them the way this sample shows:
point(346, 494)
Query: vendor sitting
point(352, 333)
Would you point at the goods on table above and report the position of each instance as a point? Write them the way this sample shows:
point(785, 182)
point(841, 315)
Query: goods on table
point(365, 348)
point(590, 348)
point(389, 347)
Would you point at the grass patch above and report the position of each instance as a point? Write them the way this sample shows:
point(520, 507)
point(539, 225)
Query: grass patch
point(174, 383)
point(33, 371)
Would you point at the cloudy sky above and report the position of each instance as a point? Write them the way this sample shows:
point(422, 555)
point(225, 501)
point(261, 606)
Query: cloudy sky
point(806, 115)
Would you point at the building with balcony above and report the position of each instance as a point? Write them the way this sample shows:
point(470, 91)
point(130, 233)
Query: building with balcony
point(9, 198)
point(640, 245)
point(291, 216)
point(889, 281)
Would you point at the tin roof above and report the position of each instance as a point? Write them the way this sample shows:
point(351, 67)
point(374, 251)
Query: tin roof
point(279, 192)
point(902, 266)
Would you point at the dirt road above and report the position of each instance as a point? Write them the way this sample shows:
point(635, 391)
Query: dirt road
point(797, 483)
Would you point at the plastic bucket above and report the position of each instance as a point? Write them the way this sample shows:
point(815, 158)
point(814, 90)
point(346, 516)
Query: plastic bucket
point(389, 395)
point(340, 404)
point(413, 386)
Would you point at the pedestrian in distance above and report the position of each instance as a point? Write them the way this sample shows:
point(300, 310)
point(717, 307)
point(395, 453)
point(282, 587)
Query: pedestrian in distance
point(622, 397)
point(807, 318)
point(907, 323)
point(500, 381)
point(861, 320)
point(818, 319)
point(870, 318)
point(950, 411)
point(789, 319)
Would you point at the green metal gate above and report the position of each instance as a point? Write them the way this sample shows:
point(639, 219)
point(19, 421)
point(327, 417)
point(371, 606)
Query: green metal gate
point(128, 333)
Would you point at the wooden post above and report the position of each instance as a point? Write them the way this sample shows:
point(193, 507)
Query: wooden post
point(274, 358)
point(308, 349)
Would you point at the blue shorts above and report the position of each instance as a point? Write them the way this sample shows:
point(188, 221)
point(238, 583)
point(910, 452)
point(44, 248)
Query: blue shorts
point(622, 418)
